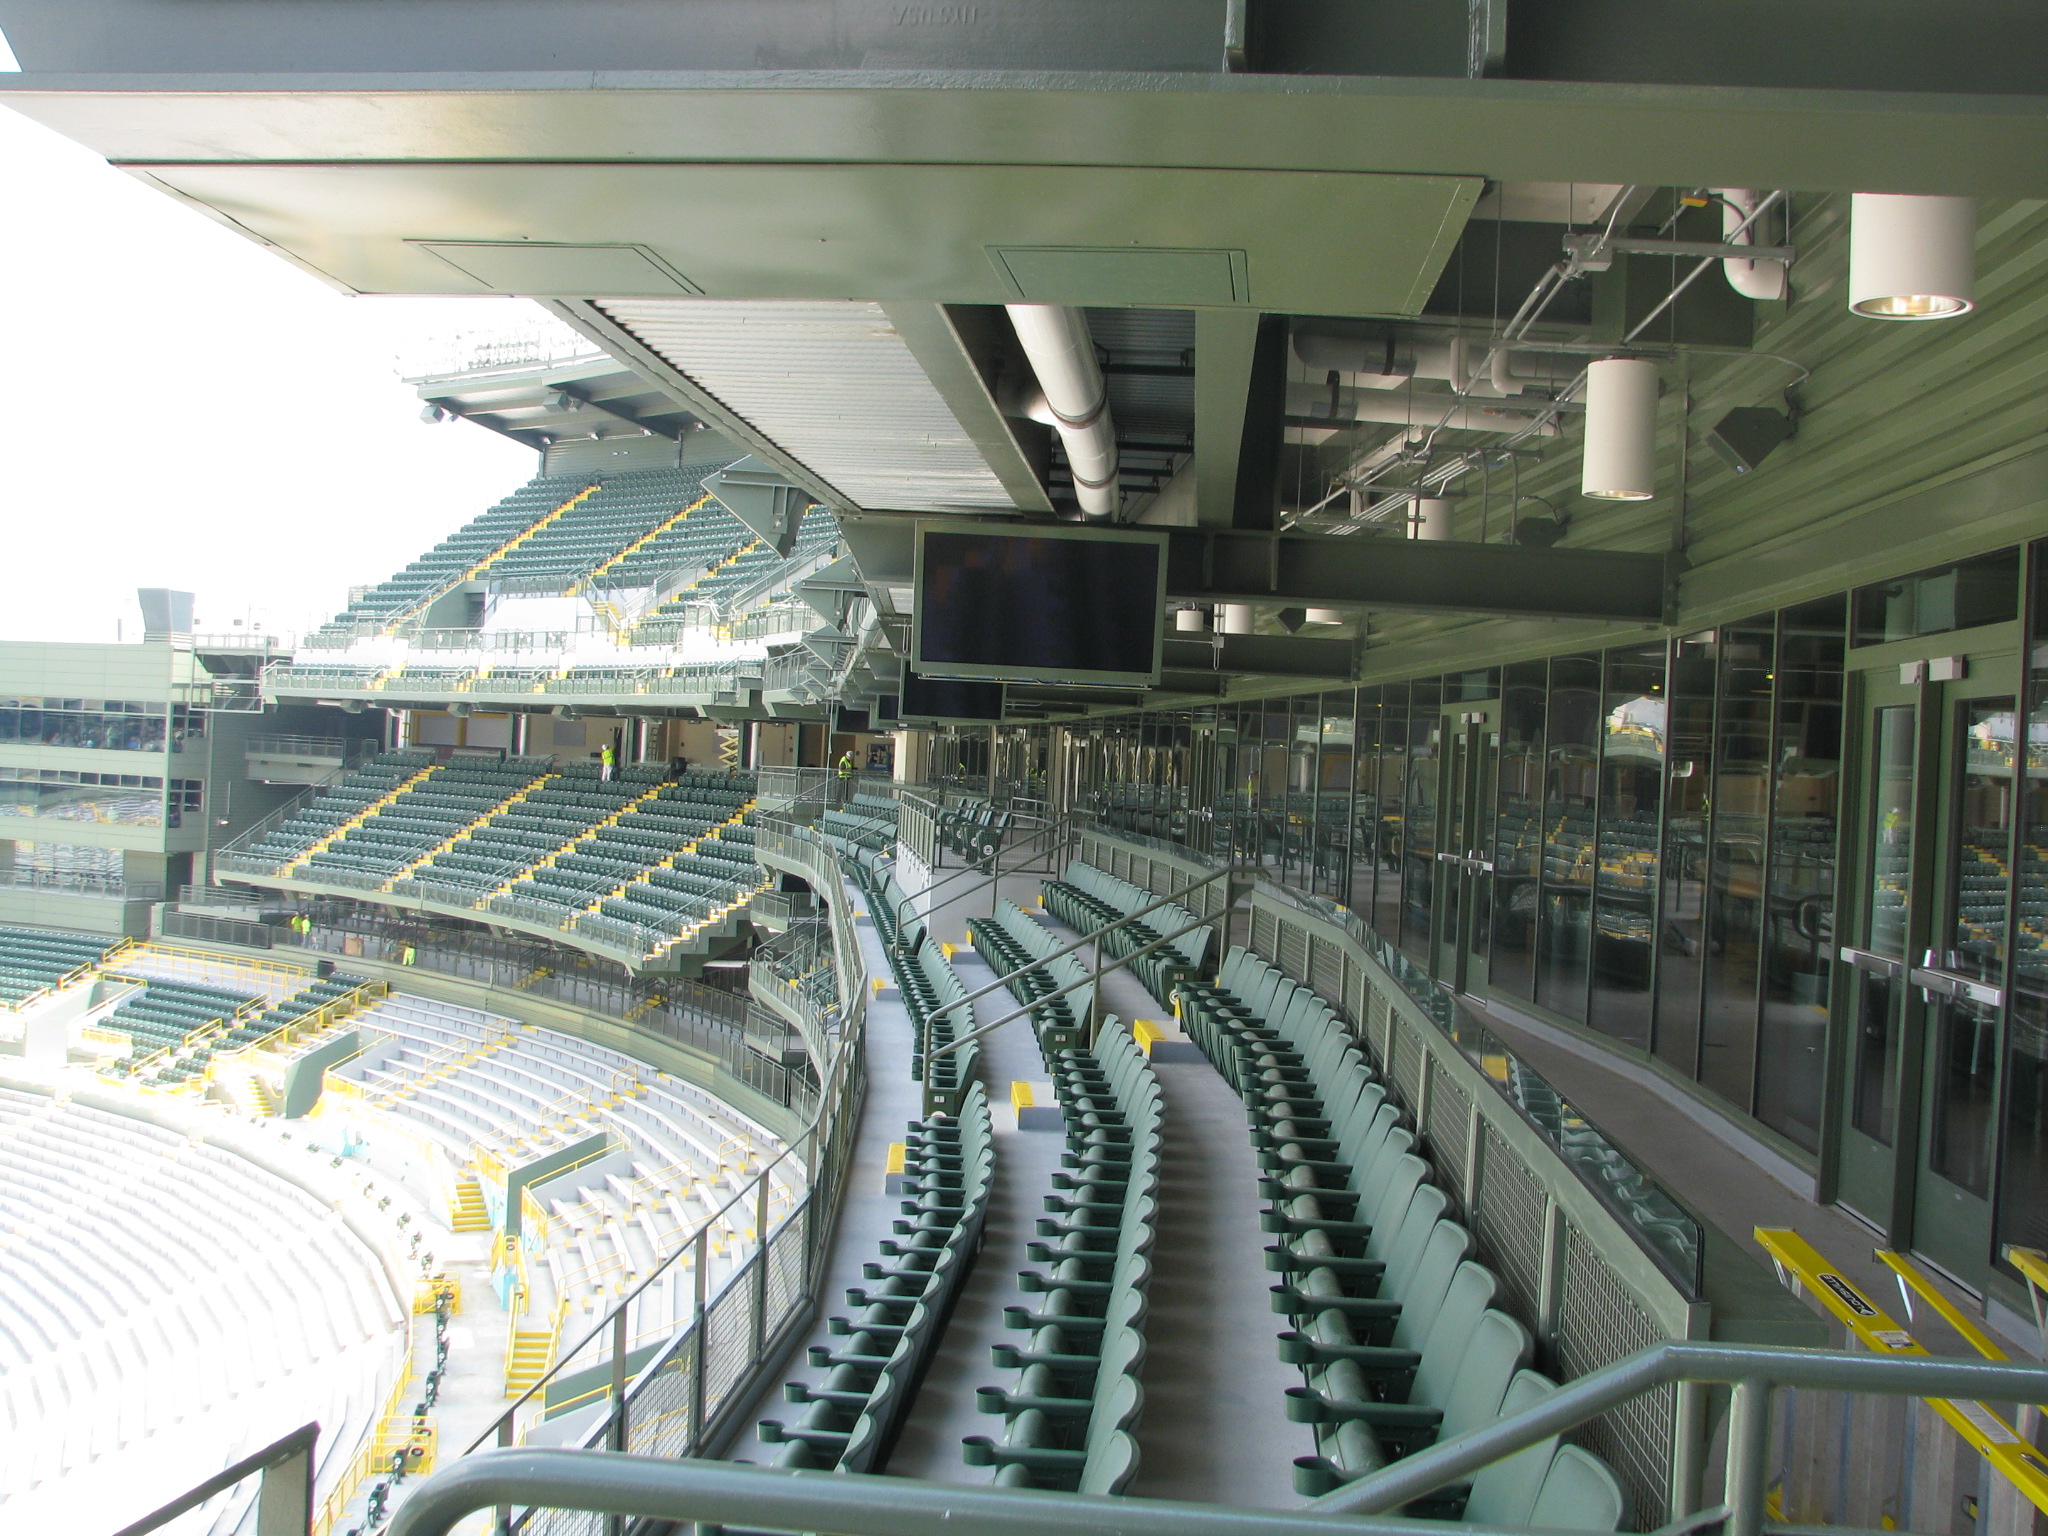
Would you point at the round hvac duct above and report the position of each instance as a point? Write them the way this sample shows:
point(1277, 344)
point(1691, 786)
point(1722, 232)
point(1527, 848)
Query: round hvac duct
point(1236, 618)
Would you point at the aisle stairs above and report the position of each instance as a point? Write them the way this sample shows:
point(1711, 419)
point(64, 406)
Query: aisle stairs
point(298, 859)
point(577, 841)
point(440, 848)
point(469, 1213)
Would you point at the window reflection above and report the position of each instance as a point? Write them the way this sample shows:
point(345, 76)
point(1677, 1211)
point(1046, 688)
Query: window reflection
point(1571, 784)
point(1738, 817)
point(1799, 922)
point(1518, 828)
point(1631, 792)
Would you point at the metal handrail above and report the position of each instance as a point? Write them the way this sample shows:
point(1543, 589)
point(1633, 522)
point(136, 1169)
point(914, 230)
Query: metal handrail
point(715, 1493)
point(1090, 979)
point(1082, 943)
point(994, 872)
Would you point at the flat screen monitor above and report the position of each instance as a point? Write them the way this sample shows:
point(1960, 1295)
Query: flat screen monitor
point(950, 701)
point(886, 713)
point(851, 721)
point(1049, 605)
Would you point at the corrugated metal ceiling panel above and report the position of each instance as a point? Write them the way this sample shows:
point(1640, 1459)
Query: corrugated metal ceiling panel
point(831, 383)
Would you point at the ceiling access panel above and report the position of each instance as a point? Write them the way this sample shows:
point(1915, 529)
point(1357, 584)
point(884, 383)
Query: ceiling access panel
point(834, 386)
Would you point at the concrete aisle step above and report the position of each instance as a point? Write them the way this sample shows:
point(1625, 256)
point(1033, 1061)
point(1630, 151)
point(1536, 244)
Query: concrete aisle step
point(1215, 1427)
point(944, 1413)
point(866, 1214)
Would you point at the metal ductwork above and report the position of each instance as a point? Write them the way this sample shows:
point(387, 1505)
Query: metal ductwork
point(1385, 361)
point(1061, 352)
point(1751, 279)
point(1309, 406)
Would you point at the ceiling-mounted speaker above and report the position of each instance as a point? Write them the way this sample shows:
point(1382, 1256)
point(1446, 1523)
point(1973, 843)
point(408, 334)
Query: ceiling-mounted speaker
point(1744, 437)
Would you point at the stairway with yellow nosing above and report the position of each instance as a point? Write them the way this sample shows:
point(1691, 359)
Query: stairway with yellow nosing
point(519, 538)
point(529, 1353)
point(357, 820)
point(669, 862)
point(469, 1213)
point(708, 570)
point(439, 1072)
point(716, 914)
point(580, 838)
point(440, 848)
point(645, 1006)
point(590, 579)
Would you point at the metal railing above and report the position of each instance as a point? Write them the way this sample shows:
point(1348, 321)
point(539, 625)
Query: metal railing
point(678, 1400)
point(346, 750)
point(853, 1505)
point(80, 883)
point(284, 1497)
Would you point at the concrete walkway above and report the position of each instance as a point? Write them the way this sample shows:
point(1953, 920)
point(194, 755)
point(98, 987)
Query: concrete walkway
point(867, 1211)
point(944, 1412)
point(1215, 1427)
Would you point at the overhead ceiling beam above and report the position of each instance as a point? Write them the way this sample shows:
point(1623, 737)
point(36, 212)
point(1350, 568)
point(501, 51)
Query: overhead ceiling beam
point(1226, 346)
point(932, 336)
point(1296, 570)
point(1272, 655)
point(537, 441)
point(584, 398)
point(1876, 140)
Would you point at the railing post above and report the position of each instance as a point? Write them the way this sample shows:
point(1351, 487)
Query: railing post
point(1749, 1446)
point(760, 1263)
point(284, 1496)
point(1688, 1448)
point(620, 1440)
point(699, 1284)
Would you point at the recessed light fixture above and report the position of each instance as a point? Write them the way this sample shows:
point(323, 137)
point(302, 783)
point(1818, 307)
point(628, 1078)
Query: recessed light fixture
point(1912, 258)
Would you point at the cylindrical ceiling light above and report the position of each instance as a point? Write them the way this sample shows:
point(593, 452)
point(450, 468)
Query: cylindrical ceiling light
point(1324, 616)
point(1236, 617)
point(1621, 430)
point(1190, 621)
point(1912, 258)
point(1429, 517)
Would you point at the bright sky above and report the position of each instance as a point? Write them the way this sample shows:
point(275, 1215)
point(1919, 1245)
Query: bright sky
point(187, 410)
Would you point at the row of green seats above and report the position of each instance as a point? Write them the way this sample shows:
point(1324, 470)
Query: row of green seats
point(32, 958)
point(1089, 899)
point(1011, 940)
point(851, 1419)
point(974, 831)
point(444, 564)
point(1068, 1424)
point(1395, 1327)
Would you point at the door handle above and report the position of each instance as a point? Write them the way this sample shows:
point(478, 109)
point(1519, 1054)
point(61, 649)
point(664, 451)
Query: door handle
point(1947, 984)
point(1876, 965)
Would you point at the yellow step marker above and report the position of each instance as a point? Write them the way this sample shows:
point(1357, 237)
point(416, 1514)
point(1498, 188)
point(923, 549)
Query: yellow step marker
point(1147, 1033)
point(1021, 1095)
point(895, 1162)
point(1803, 1267)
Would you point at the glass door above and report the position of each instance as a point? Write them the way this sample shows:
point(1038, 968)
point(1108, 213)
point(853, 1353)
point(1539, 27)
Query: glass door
point(1927, 954)
point(1470, 734)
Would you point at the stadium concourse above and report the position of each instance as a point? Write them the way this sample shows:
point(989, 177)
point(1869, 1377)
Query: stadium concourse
point(1234, 763)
